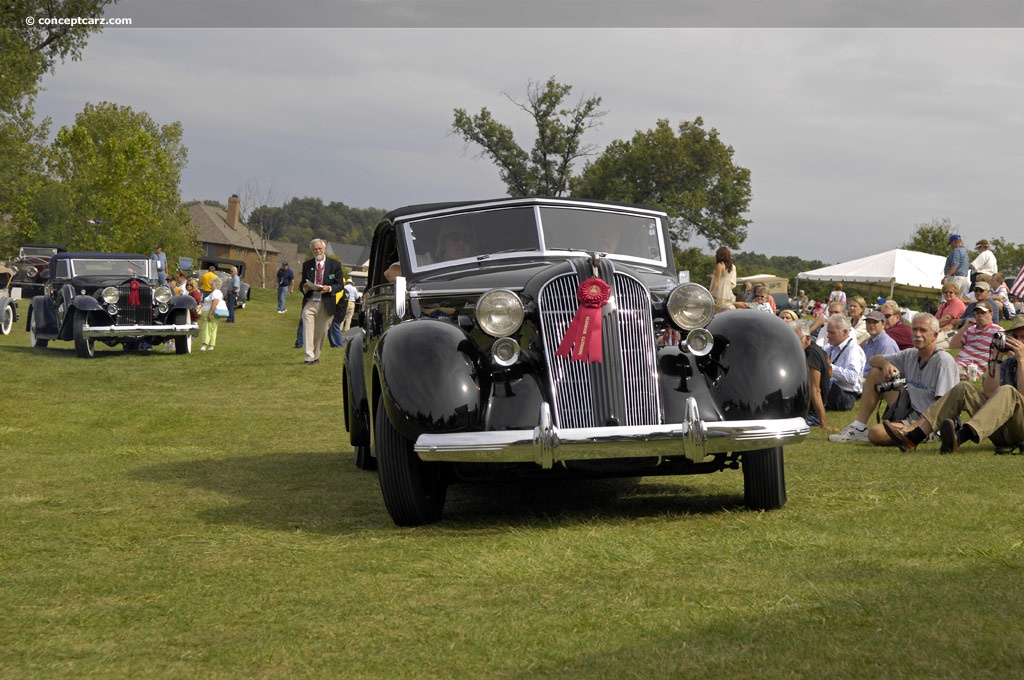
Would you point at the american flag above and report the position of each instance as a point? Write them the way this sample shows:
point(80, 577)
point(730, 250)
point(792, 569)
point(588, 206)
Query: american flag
point(1018, 285)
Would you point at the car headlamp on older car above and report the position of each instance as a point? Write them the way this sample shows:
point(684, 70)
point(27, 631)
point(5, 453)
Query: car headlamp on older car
point(499, 312)
point(162, 294)
point(690, 306)
point(31, 272)
point(110, 295)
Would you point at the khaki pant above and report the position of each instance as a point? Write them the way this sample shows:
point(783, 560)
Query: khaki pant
point(349, 311)
point(315, 322)
point(1000, 419)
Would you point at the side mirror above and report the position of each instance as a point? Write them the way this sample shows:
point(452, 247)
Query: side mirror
point(400, 295)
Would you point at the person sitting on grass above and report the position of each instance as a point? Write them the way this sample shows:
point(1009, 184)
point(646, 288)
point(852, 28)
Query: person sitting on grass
point(974, 339)
point(819, 373)
point(878, 342)
point(996, 411)
point(894, 325)
point(929, 373)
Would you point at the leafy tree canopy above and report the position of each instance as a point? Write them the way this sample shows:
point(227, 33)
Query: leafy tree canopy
point(547, 169)
point(115, 177)
point(931, 237)
point(690, 176)
point(302, 219)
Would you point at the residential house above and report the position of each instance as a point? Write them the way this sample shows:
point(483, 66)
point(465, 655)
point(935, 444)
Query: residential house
point(224, 236)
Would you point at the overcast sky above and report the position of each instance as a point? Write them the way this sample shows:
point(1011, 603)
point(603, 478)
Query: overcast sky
point(852, 135)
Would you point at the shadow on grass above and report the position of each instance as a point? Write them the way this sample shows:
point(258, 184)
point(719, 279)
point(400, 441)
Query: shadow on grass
point(325, 493)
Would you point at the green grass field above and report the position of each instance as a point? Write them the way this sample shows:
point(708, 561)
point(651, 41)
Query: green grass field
point(173, 516)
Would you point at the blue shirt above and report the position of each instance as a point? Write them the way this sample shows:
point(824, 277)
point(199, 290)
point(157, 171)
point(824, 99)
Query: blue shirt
point(959, 258)
point(285, 277)
point(880, 344)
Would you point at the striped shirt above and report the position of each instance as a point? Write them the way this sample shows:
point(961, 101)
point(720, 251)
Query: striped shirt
point(976, 343)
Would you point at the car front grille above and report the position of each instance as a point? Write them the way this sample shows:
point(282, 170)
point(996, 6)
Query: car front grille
point(141, 313)
point(620, 390)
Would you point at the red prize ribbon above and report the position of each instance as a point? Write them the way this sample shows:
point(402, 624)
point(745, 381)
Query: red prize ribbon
point(585, 329)
point(133, 293)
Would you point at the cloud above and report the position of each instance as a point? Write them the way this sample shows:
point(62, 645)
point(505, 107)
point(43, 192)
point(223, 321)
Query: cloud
point(852, 136)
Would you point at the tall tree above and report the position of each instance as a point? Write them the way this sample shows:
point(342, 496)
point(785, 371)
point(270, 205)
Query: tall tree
point(931, 237)
point(121, 172)
point(28, 50)
point(690, 175)
point(547, 169)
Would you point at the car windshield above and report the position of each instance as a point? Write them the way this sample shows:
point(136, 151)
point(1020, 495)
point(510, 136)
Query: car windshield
point(110, 268)
point(546, 231)
point(32, 251)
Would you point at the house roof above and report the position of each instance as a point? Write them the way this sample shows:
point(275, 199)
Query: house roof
point(213, 228)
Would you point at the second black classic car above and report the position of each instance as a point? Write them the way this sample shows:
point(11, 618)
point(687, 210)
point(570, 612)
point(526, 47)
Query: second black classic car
point(109, 297)
point(537, 336)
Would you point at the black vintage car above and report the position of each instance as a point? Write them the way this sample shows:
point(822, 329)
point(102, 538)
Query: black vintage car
point(551, 337)
point(110, 297)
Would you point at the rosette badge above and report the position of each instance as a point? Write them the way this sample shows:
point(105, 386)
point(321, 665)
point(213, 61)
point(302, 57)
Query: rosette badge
point(582, 341)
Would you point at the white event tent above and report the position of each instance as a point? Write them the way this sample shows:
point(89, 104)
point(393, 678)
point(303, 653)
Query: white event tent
point(893, 273)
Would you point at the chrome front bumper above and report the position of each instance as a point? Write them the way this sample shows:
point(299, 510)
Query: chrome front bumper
point(547, 444)
point(133, 331)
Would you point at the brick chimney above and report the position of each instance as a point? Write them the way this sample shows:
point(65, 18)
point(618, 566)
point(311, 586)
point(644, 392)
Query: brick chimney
point(234, 208)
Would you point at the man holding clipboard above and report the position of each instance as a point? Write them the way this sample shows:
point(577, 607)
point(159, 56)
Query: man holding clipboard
point(322, 278)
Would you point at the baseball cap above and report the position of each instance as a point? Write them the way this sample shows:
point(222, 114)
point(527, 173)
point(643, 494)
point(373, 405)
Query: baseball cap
point(986, 304)
point(982, 242)
point(954, 238)
point(982, 285)
point(875, 315)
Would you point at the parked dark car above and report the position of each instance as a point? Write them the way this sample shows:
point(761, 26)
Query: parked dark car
point(31, 269)
point(112, 298)
point(468, 366)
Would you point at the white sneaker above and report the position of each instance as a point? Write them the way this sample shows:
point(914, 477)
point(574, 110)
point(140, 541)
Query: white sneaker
point(850, 434)
point(203, 348)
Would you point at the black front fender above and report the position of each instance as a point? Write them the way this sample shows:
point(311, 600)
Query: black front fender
point(182, 302)
point(430, 378)
point(757, 367)
point(45, 316)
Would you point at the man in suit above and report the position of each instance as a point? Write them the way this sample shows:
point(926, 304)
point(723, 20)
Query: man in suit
point(322, 279)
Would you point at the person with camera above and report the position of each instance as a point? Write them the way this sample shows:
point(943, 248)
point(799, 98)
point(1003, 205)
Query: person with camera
point(996, 410)
point(909, 381)
point(973, 339)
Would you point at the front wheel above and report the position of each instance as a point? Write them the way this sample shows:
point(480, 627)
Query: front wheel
point(7, 319)
point(414, 491)
point(182, 343)
point(85, 347)
point(764, 479)
point(33, 339)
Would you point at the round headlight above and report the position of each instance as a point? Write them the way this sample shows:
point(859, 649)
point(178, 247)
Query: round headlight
point(162, 294)
point(499, 312)
point(505, 351)
point(690, 306)
point(110, 295)
point(31, 272)
point(699, 341)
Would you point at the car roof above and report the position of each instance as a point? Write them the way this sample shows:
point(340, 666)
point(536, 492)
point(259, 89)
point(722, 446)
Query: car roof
point(399, 214)
point(99, 256)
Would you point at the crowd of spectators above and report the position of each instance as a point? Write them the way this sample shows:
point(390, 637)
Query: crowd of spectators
point(922, 368)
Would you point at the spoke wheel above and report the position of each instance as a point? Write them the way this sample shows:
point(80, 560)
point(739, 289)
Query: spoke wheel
point(7, 319)
point(414, 491)
point(85, 347)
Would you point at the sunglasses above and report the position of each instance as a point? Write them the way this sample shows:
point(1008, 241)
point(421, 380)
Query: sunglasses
point(889, 316)
point(980, 290)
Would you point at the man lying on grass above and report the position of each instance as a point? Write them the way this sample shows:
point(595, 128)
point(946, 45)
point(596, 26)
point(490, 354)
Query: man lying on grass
point(929, 373)
point(996, 411)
